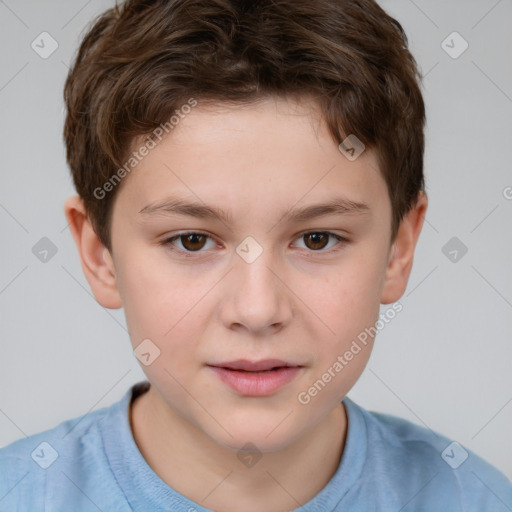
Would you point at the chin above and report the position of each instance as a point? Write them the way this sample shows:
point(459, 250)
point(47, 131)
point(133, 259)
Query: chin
point(248, 443)
point(266, 439)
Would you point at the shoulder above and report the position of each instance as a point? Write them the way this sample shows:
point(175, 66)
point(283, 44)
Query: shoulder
point(29, 465)
point(423, 469)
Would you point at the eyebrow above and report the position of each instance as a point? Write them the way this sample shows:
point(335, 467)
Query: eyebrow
point(176, 206)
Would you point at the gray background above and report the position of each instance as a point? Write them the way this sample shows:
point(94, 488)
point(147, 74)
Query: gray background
point(444, 361)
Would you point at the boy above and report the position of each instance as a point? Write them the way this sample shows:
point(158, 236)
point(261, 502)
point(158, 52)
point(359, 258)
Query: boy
point(250, 180)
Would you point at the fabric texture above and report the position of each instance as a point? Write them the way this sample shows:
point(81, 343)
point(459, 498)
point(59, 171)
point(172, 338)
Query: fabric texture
point(92, 463)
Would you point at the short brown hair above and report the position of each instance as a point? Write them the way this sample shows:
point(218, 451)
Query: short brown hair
point(143, 59)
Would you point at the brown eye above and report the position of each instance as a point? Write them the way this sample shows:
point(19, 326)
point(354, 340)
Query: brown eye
point(316, 241)
point(321, 241)
point(190, 242)
point(193, 241)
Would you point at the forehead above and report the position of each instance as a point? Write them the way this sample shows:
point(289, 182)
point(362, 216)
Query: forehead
point(277, 152)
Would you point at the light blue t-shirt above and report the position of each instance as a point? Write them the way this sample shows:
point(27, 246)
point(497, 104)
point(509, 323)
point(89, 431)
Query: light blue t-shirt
point(91, 463)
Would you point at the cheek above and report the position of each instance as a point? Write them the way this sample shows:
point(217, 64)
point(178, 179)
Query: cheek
point(159, 305)
point(346, 298)
point(163, 307)
point(348, 304)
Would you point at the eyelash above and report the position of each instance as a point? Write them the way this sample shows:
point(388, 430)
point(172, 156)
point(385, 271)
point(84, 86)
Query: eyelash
point(190, 254)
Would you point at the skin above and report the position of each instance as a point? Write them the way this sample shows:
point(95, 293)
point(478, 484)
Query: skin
point(293, 302)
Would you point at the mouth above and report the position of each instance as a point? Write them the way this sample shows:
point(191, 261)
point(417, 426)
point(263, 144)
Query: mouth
point(265, 365)
point(256, 378)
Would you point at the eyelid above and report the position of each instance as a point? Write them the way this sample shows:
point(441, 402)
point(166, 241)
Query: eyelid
point(341, 240)
point(324, 231)
point(167, 241)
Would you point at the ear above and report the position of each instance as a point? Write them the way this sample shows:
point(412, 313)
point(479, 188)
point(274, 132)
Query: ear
point(402, 252)
point(96, 260)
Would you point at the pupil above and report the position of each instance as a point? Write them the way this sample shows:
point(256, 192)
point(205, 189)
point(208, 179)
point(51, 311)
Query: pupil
point(192, 240)
point(317, 237)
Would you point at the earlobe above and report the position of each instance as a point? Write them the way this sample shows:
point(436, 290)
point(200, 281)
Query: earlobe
point(402, 252)
point(96, 260)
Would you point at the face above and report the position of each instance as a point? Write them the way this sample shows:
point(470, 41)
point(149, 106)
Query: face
point(256, 281)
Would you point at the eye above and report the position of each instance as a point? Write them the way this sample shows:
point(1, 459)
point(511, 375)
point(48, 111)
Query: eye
point(192, 241)
point(316, 241)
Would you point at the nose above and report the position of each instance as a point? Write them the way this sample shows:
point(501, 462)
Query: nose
point(254, 296)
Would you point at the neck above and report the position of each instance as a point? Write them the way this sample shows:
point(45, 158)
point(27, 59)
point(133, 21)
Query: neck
point(278, 482)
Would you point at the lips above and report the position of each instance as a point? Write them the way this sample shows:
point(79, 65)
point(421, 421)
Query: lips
point(255, 366)
point(256, 378)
